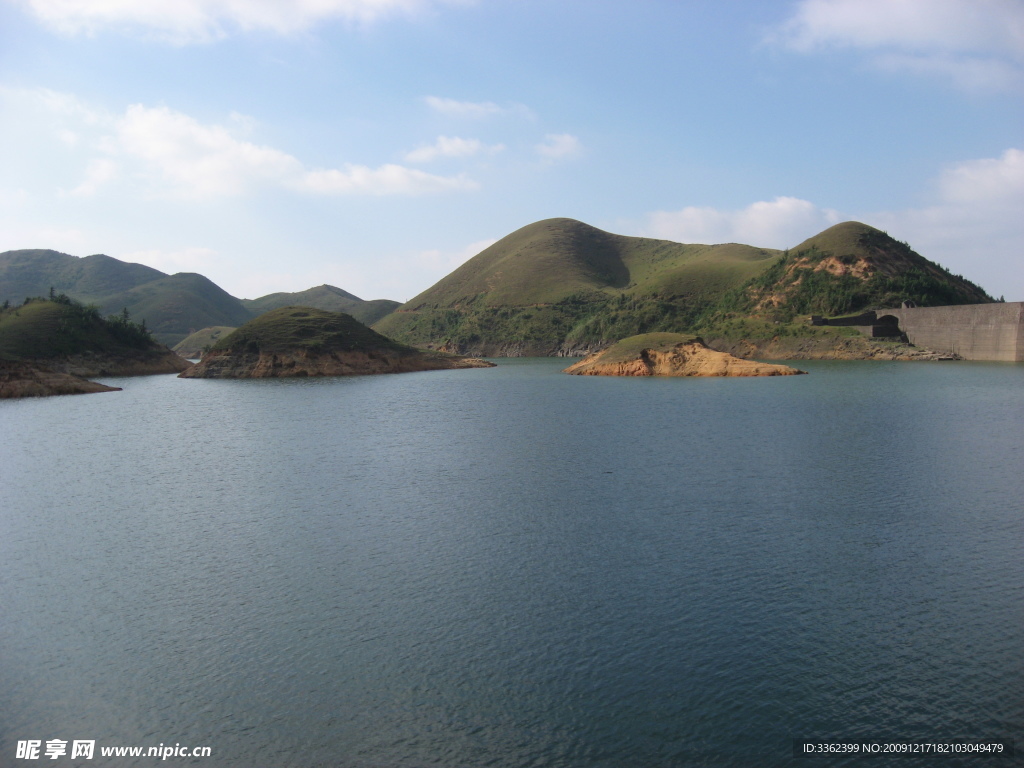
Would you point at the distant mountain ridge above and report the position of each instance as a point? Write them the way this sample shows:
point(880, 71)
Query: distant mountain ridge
point(173, 306)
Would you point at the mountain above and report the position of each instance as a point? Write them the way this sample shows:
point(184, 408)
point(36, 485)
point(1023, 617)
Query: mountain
point(173, 306)
point(847, 268)
point(563, 287)
point(305, 341)
point(325, 297)
point(560, 285)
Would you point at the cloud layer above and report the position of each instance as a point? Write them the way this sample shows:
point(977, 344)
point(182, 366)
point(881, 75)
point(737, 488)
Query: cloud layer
point(172, 154)
point(191, 21)
point(978, 44)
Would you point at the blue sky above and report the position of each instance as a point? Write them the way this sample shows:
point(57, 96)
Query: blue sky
point(377, 144)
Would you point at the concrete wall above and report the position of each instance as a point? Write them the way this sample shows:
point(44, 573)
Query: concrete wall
point(973, 331)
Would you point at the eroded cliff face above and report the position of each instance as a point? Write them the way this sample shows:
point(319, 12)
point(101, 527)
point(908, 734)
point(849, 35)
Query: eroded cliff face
point(224, 364)
point(30, 380)
point(689, 359)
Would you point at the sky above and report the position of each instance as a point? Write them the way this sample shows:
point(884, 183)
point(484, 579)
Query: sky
point(375, 145)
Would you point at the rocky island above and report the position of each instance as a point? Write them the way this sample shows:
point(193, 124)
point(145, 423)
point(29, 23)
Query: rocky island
point(670, 354)
point(304, 341)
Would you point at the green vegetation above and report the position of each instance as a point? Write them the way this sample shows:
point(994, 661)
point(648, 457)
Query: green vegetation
point(563, 284)
point(288, 329)
point(174, 306)
point(199, 342)
point(43, 329)
point(629, 349)
point(325, 297)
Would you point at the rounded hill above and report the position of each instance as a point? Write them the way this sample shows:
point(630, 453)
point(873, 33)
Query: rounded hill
point(305, 341)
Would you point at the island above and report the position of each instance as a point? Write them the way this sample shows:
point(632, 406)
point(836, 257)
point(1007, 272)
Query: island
point(670, 354)
point(305, 341)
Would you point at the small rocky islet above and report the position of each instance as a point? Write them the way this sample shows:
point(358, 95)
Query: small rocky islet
point(671, 354)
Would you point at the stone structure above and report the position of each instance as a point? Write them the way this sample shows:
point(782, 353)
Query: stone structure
point(875, 325)
point(972, 331)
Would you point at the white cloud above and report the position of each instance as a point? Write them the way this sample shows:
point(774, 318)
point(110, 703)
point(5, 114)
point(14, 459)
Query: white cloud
point(475, 110)
point(385, 180)
point(174, 155)
point(978, 44)
point(198, 160)
point(99, 172)
point(780, 223)
point(975, 226)
point(451, 146)
point(191, 21)
point(559, 145)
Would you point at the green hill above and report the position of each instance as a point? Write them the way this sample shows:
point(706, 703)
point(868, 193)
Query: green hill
point(560, 283)
point(284, 330)
point(304, 341)
point(60, 335)
point(196, 343)
point(847, 268)
point(174, 306)
point(325, 297)
point(562, 287)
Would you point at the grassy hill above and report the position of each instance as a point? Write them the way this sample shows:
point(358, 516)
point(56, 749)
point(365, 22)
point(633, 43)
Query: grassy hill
point(561, 286)
point(287, 329)
point(561, 282)
point(847, 268)
point(325, 297)
point(44, 329)
point(195, 344)
point(174, 306)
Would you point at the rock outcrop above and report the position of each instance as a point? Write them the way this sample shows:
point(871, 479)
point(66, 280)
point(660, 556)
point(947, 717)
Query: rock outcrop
point(20, 379)
point(671, 354)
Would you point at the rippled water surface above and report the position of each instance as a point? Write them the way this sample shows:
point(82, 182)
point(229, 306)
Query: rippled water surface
point(511, 567)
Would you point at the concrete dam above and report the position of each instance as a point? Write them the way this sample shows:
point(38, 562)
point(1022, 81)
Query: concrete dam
point(972, 331)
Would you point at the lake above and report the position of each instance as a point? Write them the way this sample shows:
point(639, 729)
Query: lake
point(511, 567)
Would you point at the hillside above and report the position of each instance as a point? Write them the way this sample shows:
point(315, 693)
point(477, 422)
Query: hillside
point(325, 297)
point(562, 287)
point(847, 268)
point(65, 336)
point(174, 306)
point(305, 341)
point(560, 284)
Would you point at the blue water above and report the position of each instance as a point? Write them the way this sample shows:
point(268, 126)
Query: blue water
point(510, 567)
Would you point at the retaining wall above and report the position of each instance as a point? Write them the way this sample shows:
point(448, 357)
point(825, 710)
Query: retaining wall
point(973, 331)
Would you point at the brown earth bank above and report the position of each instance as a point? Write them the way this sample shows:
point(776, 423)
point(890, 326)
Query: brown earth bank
point(664, 358)
point(21, 379)
point(225, 364)
point(137, 363)
point(850, 348)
